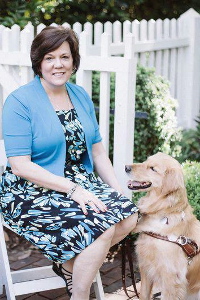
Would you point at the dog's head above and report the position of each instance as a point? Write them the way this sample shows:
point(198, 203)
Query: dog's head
point(160, 172)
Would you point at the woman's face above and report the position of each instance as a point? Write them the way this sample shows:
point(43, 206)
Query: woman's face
point(57, 66)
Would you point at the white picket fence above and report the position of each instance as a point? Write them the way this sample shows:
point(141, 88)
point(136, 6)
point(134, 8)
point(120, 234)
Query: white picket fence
point(170, 46)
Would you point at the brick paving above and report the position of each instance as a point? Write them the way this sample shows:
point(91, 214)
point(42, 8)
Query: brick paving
point(110, 275)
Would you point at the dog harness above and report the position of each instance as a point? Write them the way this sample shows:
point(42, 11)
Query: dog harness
point(189, 246)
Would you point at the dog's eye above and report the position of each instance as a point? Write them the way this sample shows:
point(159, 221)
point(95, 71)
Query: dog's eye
point(153, 169)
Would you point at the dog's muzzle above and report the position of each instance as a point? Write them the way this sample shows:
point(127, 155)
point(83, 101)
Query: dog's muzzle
point(128, 168)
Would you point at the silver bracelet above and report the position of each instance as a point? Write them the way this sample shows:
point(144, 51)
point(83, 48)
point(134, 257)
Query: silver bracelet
point(72, 190)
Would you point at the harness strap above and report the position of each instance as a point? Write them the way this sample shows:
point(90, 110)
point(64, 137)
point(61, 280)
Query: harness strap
point(189, 246)
point(126, 250)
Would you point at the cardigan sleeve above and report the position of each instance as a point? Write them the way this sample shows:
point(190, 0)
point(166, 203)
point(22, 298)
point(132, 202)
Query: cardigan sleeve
point(16, 127)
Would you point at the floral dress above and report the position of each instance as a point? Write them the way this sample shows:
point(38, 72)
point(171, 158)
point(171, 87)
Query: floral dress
point(49, 219)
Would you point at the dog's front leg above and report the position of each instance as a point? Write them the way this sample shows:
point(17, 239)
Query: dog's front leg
point(146, 286)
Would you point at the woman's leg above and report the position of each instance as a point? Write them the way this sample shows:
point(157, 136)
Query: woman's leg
point(109, 238)
point(88, 262)
point(123, 228)
point(69, 265)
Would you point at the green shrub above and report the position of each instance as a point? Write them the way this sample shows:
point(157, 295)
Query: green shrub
point(159, 132)
point(191, 171)
point(190, 144)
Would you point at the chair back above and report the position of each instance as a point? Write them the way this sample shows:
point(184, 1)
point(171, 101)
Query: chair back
point(3, 158)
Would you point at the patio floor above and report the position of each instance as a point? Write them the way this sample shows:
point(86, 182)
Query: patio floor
point(110, 275)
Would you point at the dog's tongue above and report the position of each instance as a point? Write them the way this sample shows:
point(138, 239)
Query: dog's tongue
point(133, 183)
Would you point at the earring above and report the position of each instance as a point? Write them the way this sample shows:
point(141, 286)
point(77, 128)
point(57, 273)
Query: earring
point(73, 71)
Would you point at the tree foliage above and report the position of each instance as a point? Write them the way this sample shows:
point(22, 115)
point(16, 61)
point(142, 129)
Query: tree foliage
point(59, 11)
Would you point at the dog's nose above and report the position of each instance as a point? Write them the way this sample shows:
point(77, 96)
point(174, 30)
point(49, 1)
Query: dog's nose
point(128, 168)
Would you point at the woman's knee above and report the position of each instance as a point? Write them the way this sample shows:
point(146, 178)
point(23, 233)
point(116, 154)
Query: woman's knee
point(109, 233)
point(129, 223)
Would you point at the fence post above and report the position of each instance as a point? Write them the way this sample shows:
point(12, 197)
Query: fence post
point(83, 77)
point(188, 90)
point(77, 27)
point(104, 103)
point(125, 114)
point(26, 38)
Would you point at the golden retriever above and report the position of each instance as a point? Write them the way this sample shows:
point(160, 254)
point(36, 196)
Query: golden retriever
point(165, 211)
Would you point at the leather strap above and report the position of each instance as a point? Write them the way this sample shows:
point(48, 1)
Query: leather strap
point(189, 246)
point(126, 250)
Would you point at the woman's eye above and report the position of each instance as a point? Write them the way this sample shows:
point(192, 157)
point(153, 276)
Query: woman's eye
point(48, 58)
point(65, 57)
point(153, 169)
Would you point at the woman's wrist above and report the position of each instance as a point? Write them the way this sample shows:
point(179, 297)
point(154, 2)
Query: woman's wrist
point(72, 190)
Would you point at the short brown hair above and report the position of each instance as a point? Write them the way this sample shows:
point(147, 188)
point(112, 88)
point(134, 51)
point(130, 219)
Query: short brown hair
point(49, 39)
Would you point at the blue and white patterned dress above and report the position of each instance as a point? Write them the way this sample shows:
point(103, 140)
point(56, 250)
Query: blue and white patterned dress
point(50, 220)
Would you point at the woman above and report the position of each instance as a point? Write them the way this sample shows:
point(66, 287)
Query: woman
point(49, 193)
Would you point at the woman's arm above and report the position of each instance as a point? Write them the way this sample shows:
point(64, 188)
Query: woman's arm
point(23, 166)
point(103, 166)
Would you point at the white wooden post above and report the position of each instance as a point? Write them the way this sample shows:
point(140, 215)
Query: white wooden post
point(66, 25)
point(173, 60)
point(158, 62)
point(77, 27)
point(188, 89)
point(166, 52)
point(125, 114)
point(126, 28)
point(40, 27)
point(143, 38)
point(117, 32)
point(6, 78)
point(84, 77)
point(104, 105)
point(98, 30)
point(136, 34)
point(89, 29)
point(151, 36)
point(108, 28)
point(27, 35)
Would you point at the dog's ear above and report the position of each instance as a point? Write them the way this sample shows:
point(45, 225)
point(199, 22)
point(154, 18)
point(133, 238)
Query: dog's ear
point(173, 181)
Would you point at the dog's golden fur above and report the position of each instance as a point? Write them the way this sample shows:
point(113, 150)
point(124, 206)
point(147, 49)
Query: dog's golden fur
point(165, 210)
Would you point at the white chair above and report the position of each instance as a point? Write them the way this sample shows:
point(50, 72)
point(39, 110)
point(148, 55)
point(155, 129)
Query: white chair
point(29, 280)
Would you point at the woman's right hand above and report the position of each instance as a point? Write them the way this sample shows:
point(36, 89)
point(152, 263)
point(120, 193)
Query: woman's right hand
point(83, 197)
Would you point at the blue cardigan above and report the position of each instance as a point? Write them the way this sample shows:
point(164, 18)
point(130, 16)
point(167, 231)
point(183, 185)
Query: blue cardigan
point(32, 127)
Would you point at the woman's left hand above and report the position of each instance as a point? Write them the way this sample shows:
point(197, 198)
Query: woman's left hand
point(83, 197)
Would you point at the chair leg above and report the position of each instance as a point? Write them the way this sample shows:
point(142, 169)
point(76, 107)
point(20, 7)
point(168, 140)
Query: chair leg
point(98, 287)
point(1, 281)
point(6, 278)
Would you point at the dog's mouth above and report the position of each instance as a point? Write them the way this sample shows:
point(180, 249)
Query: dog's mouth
point(138, 185)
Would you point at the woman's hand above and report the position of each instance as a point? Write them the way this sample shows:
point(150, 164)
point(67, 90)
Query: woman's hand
point(84, 197)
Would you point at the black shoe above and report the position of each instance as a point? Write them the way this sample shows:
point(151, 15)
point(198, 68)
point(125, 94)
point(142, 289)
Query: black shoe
point(65, 275)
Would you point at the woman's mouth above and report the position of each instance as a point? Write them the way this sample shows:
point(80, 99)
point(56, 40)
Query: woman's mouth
point(58, 74)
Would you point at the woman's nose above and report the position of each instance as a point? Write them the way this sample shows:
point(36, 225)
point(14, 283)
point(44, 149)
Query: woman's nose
point(58, 63)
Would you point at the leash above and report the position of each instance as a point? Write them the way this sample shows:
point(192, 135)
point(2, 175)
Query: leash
point(126, 251)
point(188, 246)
